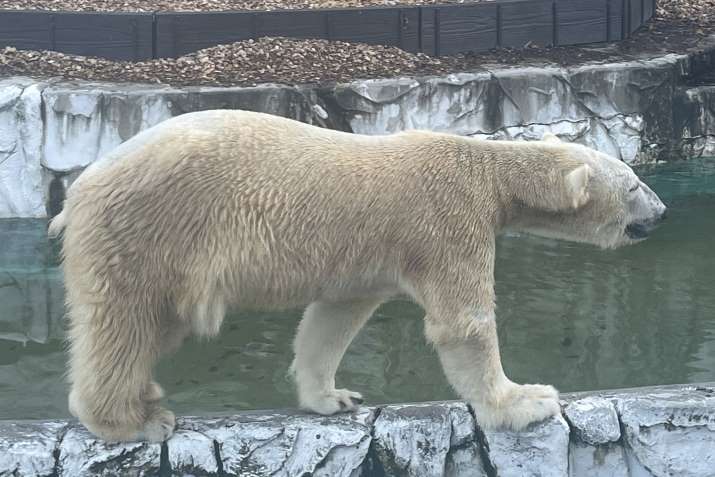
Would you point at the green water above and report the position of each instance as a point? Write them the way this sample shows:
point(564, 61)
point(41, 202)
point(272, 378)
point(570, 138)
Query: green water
point(570, 315)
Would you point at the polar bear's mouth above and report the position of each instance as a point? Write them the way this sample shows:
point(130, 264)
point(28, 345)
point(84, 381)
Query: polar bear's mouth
point(637, 231)
point(641, 230)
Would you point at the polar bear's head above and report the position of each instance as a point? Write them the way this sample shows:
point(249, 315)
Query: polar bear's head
point(602, 200)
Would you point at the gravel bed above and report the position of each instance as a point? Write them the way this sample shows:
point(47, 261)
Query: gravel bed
point(701, 12)
point(245, 62)
point(203, 5)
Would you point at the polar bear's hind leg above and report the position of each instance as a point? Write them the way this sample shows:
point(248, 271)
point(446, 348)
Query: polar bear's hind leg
point(113, 347)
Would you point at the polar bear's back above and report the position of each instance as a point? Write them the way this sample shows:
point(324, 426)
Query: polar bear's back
point(247, 139)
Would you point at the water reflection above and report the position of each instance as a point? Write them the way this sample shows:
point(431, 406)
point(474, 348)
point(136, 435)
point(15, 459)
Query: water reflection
point(570, 315)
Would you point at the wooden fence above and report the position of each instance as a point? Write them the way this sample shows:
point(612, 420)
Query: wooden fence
point(432, 29)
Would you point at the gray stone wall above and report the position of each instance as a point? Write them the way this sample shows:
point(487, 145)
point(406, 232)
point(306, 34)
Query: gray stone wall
point(664, 431)
point(694, 118)
point(639, 109)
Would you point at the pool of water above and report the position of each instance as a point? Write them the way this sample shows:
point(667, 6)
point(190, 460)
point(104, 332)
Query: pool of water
point(569, 315)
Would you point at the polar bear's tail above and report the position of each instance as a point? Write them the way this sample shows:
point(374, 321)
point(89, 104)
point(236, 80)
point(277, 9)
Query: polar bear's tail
point(57, 224)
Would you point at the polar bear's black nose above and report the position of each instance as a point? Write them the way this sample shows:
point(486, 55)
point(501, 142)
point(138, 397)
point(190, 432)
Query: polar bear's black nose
point(664, 214)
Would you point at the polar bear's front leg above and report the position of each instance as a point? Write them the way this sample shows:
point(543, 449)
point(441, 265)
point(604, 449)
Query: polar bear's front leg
point(473, 367)
point(323, 336)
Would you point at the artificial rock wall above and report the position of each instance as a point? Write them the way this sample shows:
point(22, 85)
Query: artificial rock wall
point(641, 110)
point(667, 431)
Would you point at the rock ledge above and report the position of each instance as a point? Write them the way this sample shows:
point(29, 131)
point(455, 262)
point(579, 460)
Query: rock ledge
point(660, 431)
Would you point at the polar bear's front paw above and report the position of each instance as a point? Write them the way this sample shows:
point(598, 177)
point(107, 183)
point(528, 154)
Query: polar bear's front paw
point(520, 406)
point(331, 402)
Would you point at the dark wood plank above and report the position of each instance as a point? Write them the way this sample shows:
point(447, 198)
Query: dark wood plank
point(635, 16)
point(377, 26)
point(648, 9)
point(26, 30)
point(464, 28)
point(409, 29)
point(119, 36)
point(581, 21)
point(292, 24)
point(428, 31)
point(181, 33)
point(615, 19)
point(530, 21)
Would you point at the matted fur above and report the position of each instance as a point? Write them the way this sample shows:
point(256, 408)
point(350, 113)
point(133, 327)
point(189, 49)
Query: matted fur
point(223, 209)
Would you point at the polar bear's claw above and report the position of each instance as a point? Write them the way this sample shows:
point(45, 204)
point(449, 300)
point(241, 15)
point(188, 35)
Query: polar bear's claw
point(354, 401)
point(331, 402)
point(159, 427)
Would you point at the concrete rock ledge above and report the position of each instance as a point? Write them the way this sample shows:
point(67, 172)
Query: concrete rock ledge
point(661, 431)
point(639, 109)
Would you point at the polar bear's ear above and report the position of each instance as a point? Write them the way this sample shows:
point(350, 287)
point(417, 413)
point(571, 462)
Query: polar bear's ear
point(576, 183)
point(560, 186)
point(550, 137)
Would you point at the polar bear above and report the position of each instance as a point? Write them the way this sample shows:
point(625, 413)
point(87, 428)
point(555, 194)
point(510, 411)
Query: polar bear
point(220, 209)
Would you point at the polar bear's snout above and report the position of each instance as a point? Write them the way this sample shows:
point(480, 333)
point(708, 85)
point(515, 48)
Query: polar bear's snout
point(642, 229)
point(649, 211)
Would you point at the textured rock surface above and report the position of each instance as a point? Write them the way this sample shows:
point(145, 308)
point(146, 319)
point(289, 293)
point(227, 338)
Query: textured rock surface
point(605, 460)
point(28, 448)
point(84, 122)
point(81, 454)
point(695, 120)
point(191, 450)
point(277, 444)
point(668, 431)
point(593, 420)
point(21, 185)
point(594, 449)
point(635, 110)
point(623, 109)
point(540, 450)
point(430, 439)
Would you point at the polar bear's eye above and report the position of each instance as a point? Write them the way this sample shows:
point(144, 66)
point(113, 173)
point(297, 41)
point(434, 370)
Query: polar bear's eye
point(634, 188)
